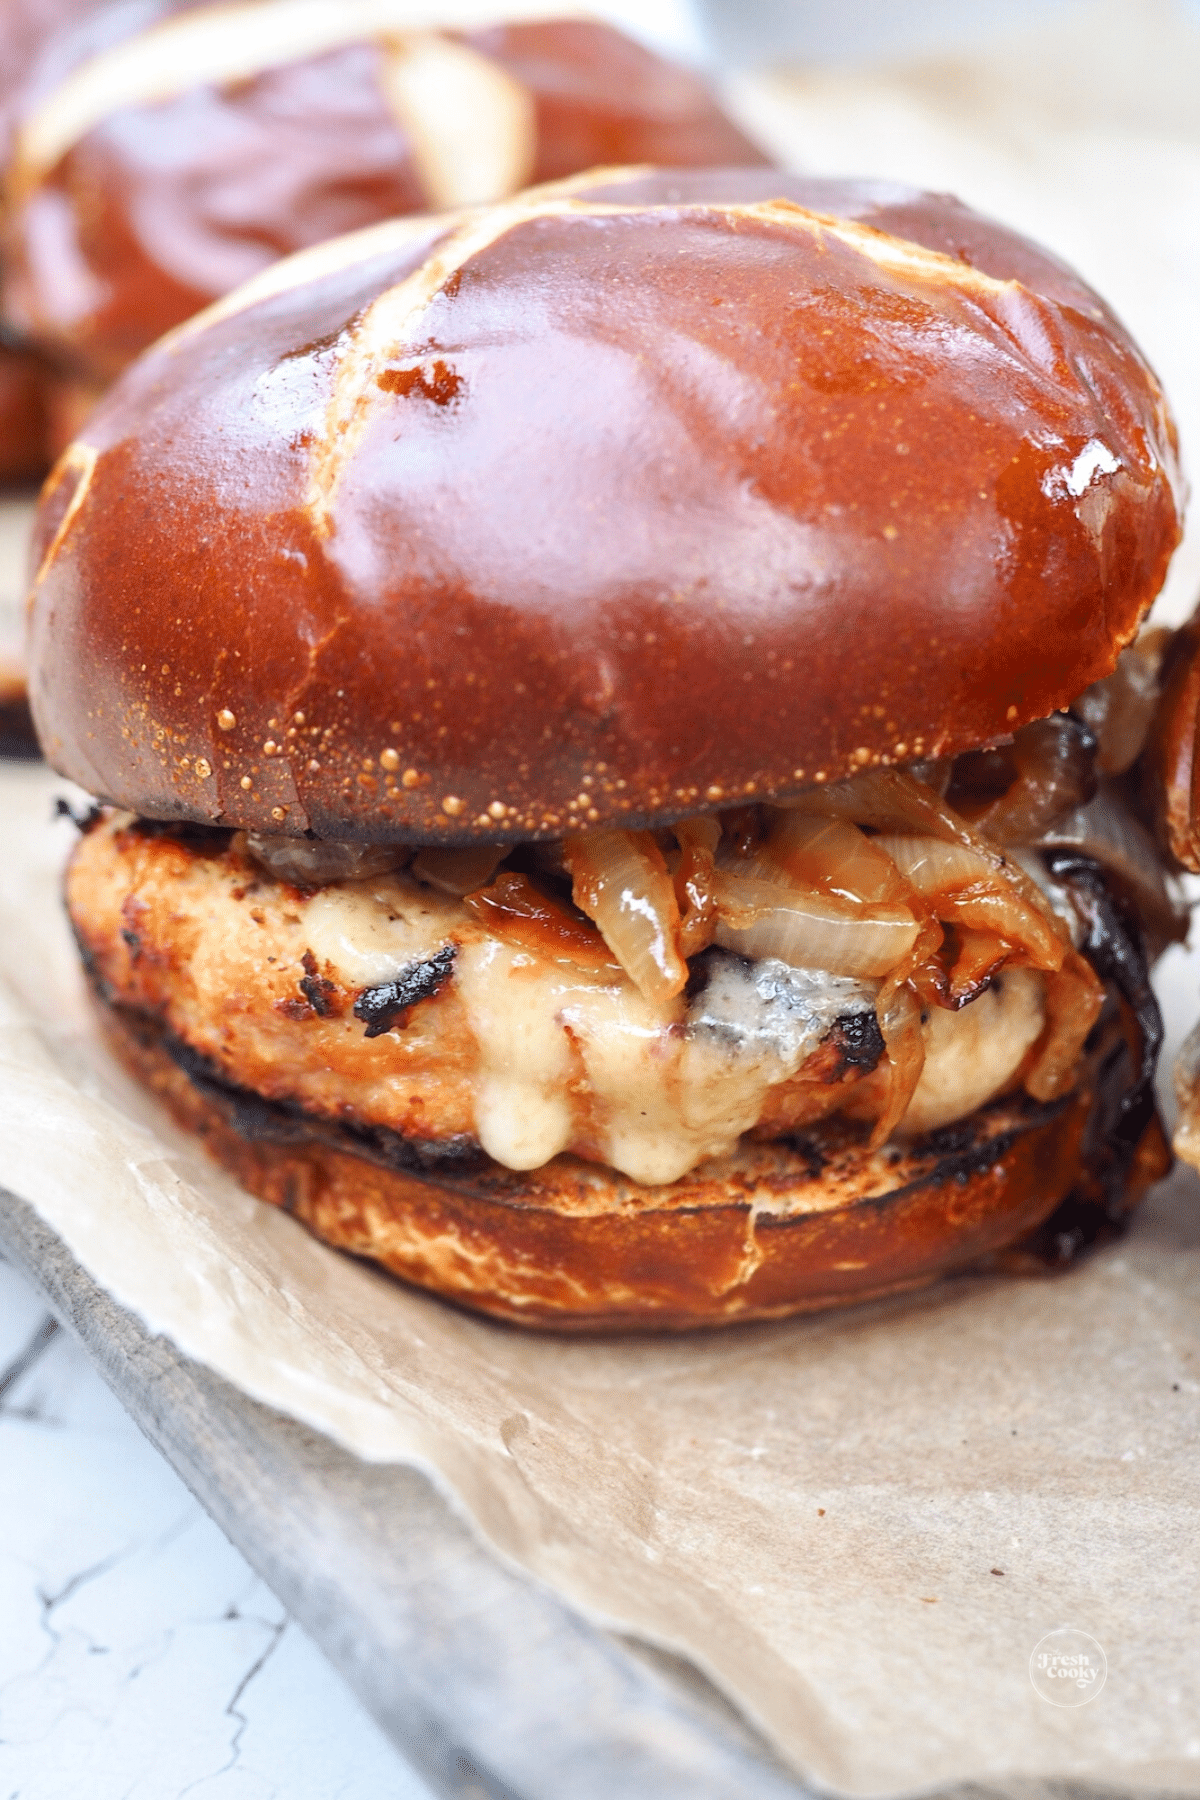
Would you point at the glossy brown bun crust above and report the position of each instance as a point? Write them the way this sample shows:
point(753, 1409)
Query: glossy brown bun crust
point(24, 415)
point(775, 1229)
point(1171, 781)
point(600, 509)
point(165, 205)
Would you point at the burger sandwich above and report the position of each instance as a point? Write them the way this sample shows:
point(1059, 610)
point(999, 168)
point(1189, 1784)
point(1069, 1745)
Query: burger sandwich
point(613, 718)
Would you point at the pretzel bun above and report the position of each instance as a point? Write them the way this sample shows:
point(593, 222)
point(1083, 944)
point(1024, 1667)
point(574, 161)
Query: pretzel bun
point(1171, 766)
point(153, 170)
point(24, 407)
point(774, 1229)
point(639, 494)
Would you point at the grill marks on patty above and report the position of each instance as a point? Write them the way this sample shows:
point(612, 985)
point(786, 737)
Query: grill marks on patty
point(218, 953)
point(385, 1004)
point(190, 932)
point(383, 1007)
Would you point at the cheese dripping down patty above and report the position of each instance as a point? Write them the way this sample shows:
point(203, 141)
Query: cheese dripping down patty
point(674, 1081)
point(522, 1044)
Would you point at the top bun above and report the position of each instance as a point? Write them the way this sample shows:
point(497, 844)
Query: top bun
point(155, 166)
point(628, 498)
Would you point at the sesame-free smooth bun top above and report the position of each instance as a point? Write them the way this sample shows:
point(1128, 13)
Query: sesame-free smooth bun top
point(165, 152)
point(633, 496)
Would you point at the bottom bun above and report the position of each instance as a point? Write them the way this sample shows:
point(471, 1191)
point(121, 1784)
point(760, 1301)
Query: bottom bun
point(815, 1221)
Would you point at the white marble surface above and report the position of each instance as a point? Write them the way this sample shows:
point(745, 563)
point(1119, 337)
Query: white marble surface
point(140, 1656)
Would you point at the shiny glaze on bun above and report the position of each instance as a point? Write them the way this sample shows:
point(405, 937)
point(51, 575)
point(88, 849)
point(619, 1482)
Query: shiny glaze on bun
point(169, 200)
point(23, 410)
point(626, 499)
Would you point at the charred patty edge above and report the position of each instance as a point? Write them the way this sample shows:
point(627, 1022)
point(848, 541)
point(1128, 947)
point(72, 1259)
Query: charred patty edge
point(952, 1154)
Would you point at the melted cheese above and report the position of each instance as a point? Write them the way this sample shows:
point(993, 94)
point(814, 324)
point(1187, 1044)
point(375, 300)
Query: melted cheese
point(970, 1055)
point(523, 1112)
point(571, 1058)
point(370, 930)
point(660, 1087)
point(755, 1025)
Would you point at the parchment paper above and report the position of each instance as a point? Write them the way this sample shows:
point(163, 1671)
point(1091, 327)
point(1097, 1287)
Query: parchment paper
point(860, 1525)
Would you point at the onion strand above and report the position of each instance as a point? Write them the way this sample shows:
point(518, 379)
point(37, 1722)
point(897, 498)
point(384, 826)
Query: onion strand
point(832, 854)
point(1074, 997)
point(968, 889)
point(900, 1023)
point(621, 881)
point(776, 918)
point(457, 872)
point(516, 910)
point(695, 896)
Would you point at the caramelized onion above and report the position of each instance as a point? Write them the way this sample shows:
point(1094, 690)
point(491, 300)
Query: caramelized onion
point(308, 862)
point(620, 880)
point(834, 856)
point(1106, 830)
point(961, 886)
point(965, 887)
point(980, 955)
point(1053, 769)
point(890, 800)
point(900, 1023)
point(887, 800)
point(517, 911)
point(776, 918)
point(458, 871)
point(1116, 956)
point(1119, 709)
point(1074, 997)
point(694, 894)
